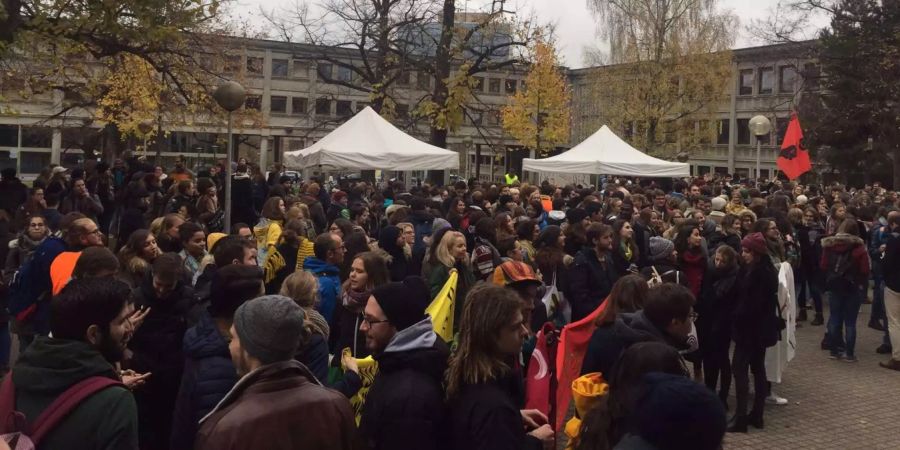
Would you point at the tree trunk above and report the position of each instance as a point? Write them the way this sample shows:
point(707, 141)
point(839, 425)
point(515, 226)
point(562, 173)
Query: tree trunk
point(442, 69)
point(896, 168)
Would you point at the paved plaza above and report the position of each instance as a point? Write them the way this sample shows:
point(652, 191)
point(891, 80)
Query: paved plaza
point(833, 404)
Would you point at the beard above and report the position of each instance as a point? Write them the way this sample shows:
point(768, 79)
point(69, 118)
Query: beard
point(111, 350)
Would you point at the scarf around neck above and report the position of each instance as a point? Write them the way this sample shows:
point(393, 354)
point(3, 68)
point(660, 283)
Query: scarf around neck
point(355, 301)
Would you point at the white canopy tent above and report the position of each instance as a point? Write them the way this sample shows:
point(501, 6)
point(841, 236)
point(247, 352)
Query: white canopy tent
point(605, 153)
point(368, 142)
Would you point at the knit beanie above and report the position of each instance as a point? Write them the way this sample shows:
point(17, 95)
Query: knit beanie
point(660, 248)
point(439, 224)
point(403, 302)
point(675, 412)
point(270, 327)
point(756, 243)
point(718, 203)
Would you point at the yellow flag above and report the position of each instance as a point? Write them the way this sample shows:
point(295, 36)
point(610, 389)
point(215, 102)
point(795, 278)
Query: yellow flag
point(441, 308)
point(368, 367)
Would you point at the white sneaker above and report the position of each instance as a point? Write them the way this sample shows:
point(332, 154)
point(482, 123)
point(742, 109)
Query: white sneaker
point(774, 399)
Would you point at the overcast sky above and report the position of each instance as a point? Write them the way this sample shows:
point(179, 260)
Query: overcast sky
point(576, 27)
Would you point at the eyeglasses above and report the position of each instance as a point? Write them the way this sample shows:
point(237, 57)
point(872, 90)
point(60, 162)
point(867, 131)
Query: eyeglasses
point(95, 231)
point(371, 322)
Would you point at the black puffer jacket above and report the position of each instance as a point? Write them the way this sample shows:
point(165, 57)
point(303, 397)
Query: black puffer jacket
point(715, 307)
point(486, 416)
point(755, 307)
point(405, 406)
point(610, 340)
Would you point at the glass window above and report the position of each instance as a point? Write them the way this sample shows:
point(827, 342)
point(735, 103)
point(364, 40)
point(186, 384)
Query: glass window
point(323, 70)
point(323, 106)
point(403, 79)
point(299, 105)
point(344, 74)
point(9, 135)
point(280, 68)
point(766, 80)
point(492, 118)
point(253, 102)
point(765, 139)
point(786, 79)
point(255, 65)
point(743, 131)
point(278, 104)
point(232, 63)
point(479, 84)
point(811, 76)
point(494, 86)
point(344, 108)
point(37, 137)
point(723, 132)
point(511, 86)
point(746, 87)
point(300, 69)
point(423, 80)
point(781, 125)
point(34, 162)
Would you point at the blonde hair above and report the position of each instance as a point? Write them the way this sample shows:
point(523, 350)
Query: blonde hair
point(156, 225)
point(301, 287)
point(443, 249)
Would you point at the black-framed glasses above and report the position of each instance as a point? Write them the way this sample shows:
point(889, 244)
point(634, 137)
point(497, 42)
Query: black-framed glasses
point(371, 322)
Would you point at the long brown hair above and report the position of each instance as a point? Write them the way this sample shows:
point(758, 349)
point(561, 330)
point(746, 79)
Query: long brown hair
point(271, 210)
point(376, 269)
point(627, 295)
point(488, 309)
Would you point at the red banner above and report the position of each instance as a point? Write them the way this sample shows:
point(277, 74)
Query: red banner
point(793, 159)
point(537, 383)
point(573, 344)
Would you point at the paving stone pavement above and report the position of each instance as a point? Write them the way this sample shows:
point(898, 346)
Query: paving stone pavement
point(833, 404)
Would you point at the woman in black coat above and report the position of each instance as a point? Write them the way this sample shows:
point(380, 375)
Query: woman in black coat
point(390, 240)
point(715, 308)
point(755, 328)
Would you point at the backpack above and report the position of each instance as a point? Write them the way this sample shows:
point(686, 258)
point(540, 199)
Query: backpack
point(15, 429)
point(840, 276)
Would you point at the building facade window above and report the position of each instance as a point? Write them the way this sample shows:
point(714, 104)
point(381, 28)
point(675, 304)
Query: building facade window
point(423, 80)
point(723, 132)
point(253, 102)
point(787, 77)
point(344, 108)
point(344, 74)
point(323, 107)
point(278, 104)
point(479, 84)
point(255, 65)
point(403, 79)
point(746, 82)
point(811, 76)
point(743, 131)
point(299, 105)
point(323, 71)
point(494, 86)
point(232, 64)
point(766, 80)
point(279, 68)
point(511, 86)
point(300, 69)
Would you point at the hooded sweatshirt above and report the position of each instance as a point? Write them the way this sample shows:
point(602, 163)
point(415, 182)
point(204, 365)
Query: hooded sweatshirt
point(329, 279)
point(107, 419)
point(405, 408)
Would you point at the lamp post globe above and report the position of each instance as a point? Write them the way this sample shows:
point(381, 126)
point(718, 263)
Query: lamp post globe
point(230, 95)
point(759, 126)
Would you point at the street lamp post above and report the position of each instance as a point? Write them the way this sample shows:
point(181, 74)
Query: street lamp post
point(145, 127)
point(759, 126)
point(230, 96)
point(467, 145)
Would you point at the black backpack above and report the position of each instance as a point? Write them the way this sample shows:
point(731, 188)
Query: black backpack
point(841, 275)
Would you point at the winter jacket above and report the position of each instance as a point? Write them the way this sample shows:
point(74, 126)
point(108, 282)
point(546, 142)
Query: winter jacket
point(693, 263)
point(590, 282)
point(890, 264)
point(405, 406)
point(279, 406)
point(12, 195)
point(106, 420)
point(466, 280)
point(316, 212)
point(20, 252)
point(398, 264)
point(208, 375)
point(715, 306)
point(329, 279)
point(36, 288)
point(285, 260)
point(314, 355)
point(485, 258)
point(345, 332)
point(642, 234)
point(267, 233)
point(485, 416)
point(157, 347)
point(754, 316)
point(609, 341)
point(242, 210)
point(852, 246)
point(422, 223)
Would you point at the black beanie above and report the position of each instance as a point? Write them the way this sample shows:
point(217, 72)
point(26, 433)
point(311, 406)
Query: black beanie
point(676, 413)
point(403, 302)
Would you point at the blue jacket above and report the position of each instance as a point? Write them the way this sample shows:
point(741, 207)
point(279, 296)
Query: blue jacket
point(208, 375)
point(35, 285)
point(329, 279)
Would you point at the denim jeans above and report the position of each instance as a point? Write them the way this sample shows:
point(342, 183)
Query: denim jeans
point(844, 309)
point(878, 300)
point(809, 285)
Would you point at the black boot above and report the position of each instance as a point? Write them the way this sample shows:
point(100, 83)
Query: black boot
point(755, 419)
point(819, 320)
point(738, 424)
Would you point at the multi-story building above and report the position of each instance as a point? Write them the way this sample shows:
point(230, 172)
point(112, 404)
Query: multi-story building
point(287, 85)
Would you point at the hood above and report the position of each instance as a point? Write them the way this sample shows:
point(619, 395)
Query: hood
point(53, 365)
point(204, 340)
point(317, 266)
point(841, 242)
point(387, 240)
point(418, 348)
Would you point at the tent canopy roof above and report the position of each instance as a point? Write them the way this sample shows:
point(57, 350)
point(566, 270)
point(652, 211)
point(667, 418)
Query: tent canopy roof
point(368, 142)
point(605, 153)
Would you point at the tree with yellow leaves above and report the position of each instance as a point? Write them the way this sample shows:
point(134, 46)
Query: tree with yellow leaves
point(538, 115)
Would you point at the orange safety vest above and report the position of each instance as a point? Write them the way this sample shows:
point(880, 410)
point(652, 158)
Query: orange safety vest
point(61, 270)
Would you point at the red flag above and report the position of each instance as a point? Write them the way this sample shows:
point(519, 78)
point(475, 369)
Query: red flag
point(793, 159)
point(537, 383)
point(573, 345)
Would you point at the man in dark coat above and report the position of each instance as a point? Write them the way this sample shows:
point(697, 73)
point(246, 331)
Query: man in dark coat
point(593, 274)
point(157, 345)
point(404, 408)
point(12, 192)
point(209, 372)
point(277, 404)
point(90, 328)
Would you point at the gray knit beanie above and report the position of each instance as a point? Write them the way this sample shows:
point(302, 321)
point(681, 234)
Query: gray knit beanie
point(270, 327)
point(660, 248)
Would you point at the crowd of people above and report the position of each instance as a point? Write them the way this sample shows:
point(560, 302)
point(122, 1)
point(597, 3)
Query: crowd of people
point(149, 326)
